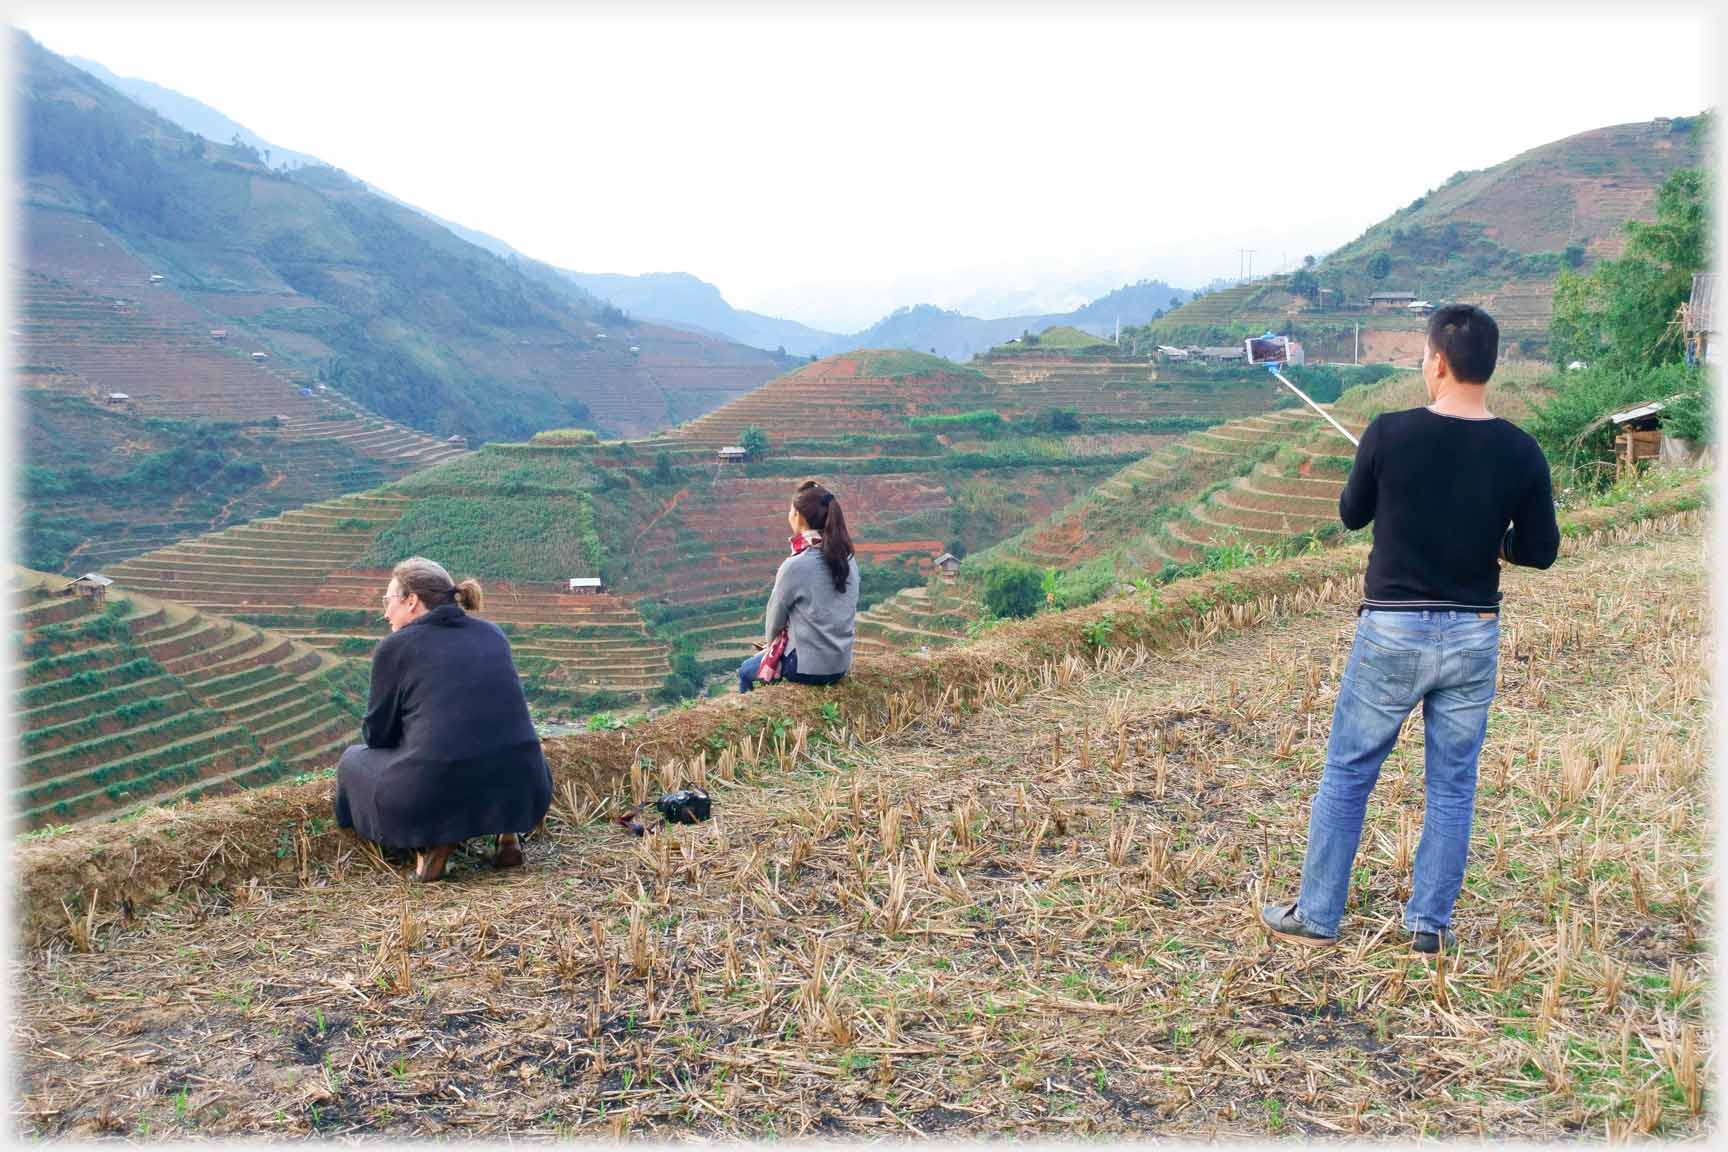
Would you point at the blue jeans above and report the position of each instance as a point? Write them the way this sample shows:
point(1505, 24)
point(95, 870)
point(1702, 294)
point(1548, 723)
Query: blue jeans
point(788, 672)
point(1445, 661)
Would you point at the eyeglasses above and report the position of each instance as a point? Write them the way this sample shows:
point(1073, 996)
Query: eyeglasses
point(389, 596)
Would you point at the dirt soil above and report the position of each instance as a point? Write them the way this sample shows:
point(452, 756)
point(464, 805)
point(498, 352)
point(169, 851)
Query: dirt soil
point(1034, 919)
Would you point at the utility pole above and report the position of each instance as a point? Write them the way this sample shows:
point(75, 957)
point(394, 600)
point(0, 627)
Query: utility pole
point(1118, 331)
point(1356, 351)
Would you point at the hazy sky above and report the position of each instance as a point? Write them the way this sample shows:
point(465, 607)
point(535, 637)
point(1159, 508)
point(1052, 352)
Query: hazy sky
point(832, 168)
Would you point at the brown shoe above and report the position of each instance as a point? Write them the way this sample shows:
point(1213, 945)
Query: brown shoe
point(509, 854)
point(429, 865)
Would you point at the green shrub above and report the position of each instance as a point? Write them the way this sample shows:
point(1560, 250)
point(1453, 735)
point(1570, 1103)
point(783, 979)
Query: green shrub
point(1563, 423)
point(1012, 590)
point(985, 422)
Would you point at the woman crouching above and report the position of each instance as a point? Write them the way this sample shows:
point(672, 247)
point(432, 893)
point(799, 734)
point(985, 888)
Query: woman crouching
point(449, 751)
point(813, 610)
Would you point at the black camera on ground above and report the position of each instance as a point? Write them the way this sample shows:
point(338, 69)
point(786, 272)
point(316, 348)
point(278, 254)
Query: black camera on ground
point(686, 806)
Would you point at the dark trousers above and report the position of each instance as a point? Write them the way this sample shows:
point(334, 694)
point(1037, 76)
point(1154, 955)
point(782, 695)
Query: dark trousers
point(788, 672)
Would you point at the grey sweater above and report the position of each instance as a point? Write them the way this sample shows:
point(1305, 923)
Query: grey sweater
point(819, 621)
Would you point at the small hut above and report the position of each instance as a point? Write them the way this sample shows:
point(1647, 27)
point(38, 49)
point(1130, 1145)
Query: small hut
point(260, 357)
point(732, 454)
point(93, 586)
point(1639, 437)
point(586, 585)
point(948, 565)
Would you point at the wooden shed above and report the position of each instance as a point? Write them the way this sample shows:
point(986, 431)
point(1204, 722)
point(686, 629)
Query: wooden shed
point(949, 565)
point(92, 586)
point(586, 585)
point(1639, 437)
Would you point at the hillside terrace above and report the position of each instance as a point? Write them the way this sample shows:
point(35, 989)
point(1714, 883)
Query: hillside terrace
point(301, 574)
point(169, 370)
point(141, 702)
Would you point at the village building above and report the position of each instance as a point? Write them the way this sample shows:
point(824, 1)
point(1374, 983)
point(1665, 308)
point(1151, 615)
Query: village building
point(948, 565)
point(732, 454)
point(259, 357)
point(1234, 352)
point(586, 585)
point(92, 586)
point(219, 334)
point(1390, 301)
point(119, 398)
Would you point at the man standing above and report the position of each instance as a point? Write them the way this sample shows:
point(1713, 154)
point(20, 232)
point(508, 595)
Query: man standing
point(1451, 489)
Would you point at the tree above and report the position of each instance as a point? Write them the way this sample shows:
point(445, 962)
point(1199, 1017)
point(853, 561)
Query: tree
point(1573, 256)
point(1012, 590)
point(1304, 283)
point(1620, 313)
point(1307, 261)
point(753, 440)
point(1379, 265)
point(1175, 301)
point(1062, 420)
point(663, 473)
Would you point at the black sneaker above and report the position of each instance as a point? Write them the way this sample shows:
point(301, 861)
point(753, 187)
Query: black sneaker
point(1281, 920)
point(1429, 943)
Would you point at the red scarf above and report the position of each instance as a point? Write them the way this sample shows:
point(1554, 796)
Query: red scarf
point(769, 669)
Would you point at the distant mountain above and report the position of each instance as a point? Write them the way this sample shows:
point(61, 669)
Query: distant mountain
point(195, 116)
point(682, 300)
point(200, 118)
point(339, 283)
point(927, 328)
point(1497, 237)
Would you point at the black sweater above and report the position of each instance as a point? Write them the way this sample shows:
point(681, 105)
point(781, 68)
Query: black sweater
point(1441, 491)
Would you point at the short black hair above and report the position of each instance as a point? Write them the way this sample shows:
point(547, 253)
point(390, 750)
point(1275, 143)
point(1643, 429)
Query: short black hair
point(1468, 338)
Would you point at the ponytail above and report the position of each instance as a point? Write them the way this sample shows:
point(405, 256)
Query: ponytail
point(428, 580)
point(822, 512)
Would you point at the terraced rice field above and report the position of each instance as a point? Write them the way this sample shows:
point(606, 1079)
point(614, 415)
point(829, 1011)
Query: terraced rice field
point(171, 369)
point(1225, 482)
point(928, 616)
point(145, 702)
point(1122, 389)
point(302, 574)
point(838, 394)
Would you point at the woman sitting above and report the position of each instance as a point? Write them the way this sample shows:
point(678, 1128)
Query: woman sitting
point(814, 606)
point(449, 751)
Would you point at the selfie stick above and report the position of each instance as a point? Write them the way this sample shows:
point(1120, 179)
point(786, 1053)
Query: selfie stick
point(1273, 368)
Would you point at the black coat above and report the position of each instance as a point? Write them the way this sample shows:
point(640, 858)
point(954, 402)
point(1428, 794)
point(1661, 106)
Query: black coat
point(450, 752)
